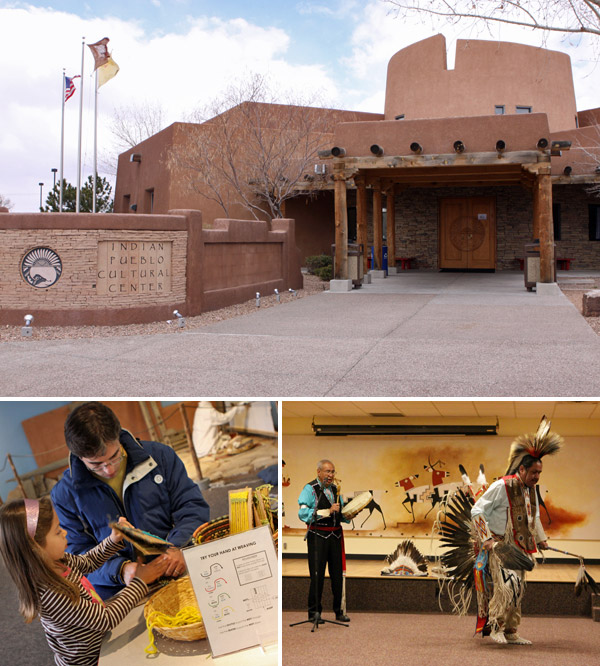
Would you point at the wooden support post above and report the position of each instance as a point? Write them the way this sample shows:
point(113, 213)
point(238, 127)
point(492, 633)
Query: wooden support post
point(361, 218)
point(341, 223)
point(17, 477)
point(190, 441)
point(391, 225)
point(148, 420)
point(377, 224)
point(543, 196)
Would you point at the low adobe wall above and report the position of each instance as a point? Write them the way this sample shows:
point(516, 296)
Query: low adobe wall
point(111, 269)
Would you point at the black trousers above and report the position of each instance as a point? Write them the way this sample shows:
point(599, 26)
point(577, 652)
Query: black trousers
point(324, 552)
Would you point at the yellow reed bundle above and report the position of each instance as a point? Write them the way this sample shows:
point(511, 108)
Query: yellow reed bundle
point(240, 510)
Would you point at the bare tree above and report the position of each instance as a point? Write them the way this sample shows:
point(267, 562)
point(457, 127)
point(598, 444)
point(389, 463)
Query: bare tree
point(5, 202)
point(567, 16)
point(130, 125)
point(252, 151)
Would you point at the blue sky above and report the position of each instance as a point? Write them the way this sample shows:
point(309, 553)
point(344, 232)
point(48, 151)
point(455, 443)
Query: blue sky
point(182, 53)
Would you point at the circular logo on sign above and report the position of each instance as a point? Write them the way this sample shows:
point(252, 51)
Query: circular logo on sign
point(41, 267)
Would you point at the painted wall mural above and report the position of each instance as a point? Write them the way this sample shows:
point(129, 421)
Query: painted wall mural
point(409, 478)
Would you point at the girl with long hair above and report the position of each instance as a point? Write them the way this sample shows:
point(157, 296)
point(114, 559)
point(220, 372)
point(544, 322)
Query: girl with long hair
point(51, 583)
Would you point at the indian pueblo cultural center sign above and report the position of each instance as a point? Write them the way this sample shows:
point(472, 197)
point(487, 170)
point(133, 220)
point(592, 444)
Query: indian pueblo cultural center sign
point(134, 267)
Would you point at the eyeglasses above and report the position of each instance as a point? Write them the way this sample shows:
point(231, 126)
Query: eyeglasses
point(113, 461)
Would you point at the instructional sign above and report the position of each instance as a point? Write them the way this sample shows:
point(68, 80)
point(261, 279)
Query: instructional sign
point(235, 581)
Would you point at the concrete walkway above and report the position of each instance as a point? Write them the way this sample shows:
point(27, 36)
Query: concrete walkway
point(411, 335)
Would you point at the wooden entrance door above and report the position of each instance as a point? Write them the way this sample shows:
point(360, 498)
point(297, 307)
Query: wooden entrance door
point(468, 233)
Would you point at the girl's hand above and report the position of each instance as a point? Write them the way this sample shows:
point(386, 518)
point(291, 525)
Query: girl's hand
point(116, 536)
point(153, 570)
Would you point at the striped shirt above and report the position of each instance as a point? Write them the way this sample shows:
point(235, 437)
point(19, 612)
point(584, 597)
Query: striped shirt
point(75, 632)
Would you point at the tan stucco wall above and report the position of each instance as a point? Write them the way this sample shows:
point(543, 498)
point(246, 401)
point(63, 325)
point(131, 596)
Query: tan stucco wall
point(479, 134)
point(208, 269)
point(486, 73)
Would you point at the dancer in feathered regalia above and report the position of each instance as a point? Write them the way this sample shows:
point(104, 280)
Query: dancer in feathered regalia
point(506, 521)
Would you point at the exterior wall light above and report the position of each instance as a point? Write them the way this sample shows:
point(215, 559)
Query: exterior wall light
point(416, 148)
point(500, 146)
point(567, 170)
point(377, 150)
point(459, 147)
point(336, 151)
point(542, 144)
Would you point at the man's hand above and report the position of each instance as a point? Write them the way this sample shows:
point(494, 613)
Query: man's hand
point(488, 545)
point(543, 545)
point(176, 563)
point(335, 508)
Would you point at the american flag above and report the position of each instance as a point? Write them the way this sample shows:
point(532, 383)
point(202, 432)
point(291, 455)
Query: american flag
point(70, 87)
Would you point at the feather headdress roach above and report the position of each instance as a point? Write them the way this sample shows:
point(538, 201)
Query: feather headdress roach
point(541, 444)
point(406, 560)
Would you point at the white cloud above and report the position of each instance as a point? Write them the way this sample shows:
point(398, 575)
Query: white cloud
point(180, 71)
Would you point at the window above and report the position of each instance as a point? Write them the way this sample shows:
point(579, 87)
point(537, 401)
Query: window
point(399, 117)
point(523, 109)
point(594, 215)
point(556, 220)
point(149, 201)
point(499, 109)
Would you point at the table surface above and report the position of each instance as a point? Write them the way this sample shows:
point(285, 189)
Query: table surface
point(126, 642)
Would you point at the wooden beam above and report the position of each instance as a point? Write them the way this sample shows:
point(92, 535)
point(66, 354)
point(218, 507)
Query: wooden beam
point(361, 218)
point(190, 441)
point(543, 208)
point(391, 225)
point(17, 477)
point(377, 224)
point(446, 159)
point(341, 223)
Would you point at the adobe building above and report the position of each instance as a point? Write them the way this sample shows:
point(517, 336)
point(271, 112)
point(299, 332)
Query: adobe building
point(464, 168)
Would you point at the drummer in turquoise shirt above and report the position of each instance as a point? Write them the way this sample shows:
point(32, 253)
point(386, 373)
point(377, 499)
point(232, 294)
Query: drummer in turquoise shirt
point(324, 538)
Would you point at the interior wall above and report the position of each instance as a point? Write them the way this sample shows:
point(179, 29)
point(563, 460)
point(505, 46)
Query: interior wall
point(380, 465)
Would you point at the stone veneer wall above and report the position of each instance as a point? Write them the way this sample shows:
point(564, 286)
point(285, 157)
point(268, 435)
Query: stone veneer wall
point(417, 224)
point(250, 258)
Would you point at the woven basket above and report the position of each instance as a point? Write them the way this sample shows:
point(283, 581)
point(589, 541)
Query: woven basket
point(170, 600)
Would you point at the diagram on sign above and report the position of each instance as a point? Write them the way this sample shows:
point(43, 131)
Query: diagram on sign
point(236, 583)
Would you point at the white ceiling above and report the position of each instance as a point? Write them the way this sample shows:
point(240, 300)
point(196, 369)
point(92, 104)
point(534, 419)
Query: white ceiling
point(517, 409)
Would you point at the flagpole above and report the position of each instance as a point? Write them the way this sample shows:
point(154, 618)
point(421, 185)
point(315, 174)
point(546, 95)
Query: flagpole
point(62, 145)
point(95, 144)
point(78, 195)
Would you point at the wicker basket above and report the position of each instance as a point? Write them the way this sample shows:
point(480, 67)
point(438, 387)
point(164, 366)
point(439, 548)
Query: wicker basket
point(170, 600)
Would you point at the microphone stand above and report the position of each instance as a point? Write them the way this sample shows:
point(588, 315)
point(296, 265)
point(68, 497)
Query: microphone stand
point(317, 619)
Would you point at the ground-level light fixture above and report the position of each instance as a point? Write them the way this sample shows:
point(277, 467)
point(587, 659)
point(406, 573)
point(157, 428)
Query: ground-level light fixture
point(180, 318)
point(27, 330)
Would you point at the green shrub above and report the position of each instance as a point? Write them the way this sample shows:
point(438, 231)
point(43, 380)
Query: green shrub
point(317, 262)
point(325, 273)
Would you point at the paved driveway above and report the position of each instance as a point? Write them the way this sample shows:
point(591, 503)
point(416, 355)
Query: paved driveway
point(410, 335)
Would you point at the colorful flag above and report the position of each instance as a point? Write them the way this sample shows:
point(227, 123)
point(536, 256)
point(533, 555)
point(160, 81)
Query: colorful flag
point(107, 71)
point(70, 86)
point(100, 52)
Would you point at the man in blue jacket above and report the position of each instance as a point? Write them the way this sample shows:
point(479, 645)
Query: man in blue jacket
point(112, 474)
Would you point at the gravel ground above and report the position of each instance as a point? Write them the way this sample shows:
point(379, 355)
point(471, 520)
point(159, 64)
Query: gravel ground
point(312, 285)
point(576, 297)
